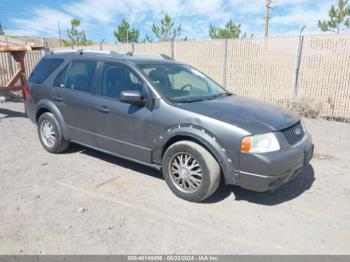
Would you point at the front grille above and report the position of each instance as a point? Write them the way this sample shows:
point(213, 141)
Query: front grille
point(294, 133)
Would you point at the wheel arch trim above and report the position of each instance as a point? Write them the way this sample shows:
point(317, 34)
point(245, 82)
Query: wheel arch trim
point(52, 108)
point(197, 134)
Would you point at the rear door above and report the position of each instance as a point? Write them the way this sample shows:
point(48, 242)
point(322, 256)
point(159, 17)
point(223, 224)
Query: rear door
point(74, 95)
point(121, 128)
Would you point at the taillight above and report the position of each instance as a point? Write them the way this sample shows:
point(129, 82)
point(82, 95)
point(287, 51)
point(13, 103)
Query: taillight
point(26, 93)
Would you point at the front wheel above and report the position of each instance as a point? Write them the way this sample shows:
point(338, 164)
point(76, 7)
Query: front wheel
point(190, 171)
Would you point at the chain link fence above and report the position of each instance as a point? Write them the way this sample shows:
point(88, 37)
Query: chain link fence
point(281, 70)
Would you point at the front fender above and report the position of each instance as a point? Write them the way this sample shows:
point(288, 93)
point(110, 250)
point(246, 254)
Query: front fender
point(203, 136)
point(50, 106)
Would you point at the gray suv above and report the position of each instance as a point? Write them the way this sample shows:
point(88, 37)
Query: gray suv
point(163, 113)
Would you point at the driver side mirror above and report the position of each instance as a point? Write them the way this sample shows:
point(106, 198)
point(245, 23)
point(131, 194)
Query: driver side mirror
point(133, 97)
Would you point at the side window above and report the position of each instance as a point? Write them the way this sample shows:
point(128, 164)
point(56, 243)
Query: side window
point(80, 76)
point(61, 78)
point(116, 79)
point(43, 69)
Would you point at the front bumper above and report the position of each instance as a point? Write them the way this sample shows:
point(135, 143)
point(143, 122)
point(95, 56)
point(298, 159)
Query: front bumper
point(263, 172)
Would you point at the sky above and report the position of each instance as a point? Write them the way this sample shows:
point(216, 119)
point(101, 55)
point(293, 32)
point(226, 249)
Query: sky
point(99, 18)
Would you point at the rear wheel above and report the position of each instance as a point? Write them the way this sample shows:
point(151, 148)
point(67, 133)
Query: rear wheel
point(50, 134)
point(190, 171)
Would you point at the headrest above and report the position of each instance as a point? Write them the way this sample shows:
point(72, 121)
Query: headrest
point(156, 75)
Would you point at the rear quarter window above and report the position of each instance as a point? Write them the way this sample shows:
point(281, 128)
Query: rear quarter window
point(43, 69)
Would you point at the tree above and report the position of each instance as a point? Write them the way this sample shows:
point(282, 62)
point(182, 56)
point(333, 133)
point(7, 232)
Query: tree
point(147, 39)
point(76, 37)
point(167, 29)
point(245, 36)
point(1, 30)
point(230, 30)
point(339, 18)
point(124, 35)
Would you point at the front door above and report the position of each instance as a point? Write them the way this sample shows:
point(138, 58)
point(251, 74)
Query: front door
point(121, 128)
point(73, 94)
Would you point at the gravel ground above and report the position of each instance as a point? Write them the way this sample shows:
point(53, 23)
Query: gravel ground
point(86, 202)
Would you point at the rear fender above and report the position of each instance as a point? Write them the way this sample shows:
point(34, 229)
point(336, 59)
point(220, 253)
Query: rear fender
point(50, 106)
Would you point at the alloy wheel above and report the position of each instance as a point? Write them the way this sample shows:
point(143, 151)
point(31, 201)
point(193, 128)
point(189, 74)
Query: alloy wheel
point(185, 172)
point(47, 133)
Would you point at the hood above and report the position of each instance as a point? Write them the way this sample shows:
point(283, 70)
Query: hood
point(253, 116)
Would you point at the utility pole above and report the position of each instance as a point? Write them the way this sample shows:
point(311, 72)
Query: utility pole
point(101, 43)
point(267, 17)
point(1, 30)
point(268, 7)
point(59, 31)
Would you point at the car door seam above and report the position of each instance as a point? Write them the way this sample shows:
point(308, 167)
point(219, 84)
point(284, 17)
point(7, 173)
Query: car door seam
point(116, 140)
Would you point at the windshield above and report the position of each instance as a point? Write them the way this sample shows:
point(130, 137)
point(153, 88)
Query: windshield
point(181, 83)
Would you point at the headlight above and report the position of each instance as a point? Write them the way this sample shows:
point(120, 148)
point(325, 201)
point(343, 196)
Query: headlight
point(260, 143)
point(303, 126)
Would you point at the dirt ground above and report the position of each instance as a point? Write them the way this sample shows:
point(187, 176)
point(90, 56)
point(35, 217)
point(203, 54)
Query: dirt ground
point(86, 202)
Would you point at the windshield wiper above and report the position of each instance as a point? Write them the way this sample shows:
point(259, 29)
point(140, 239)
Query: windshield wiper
point(219, 95)
point(189, 100)
point(224, 94)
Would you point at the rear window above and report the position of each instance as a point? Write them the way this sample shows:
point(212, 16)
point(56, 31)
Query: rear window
point(43, 69)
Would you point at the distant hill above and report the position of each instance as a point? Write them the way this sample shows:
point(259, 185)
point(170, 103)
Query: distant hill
point(53, 42)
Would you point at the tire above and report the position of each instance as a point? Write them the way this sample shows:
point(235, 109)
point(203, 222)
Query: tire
point(48, 121)
point(183, 180)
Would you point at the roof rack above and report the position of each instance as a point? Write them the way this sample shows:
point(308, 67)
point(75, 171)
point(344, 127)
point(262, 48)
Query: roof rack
point(62, 51)
point(164, 56)
point(84, 51)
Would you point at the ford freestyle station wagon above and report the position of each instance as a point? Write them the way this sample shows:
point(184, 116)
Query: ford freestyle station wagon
point(166, 114)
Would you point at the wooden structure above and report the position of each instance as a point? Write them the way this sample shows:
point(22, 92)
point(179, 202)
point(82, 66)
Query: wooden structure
point(18, 53)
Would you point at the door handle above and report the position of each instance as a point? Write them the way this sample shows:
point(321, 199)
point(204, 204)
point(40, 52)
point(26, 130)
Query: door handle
point(57, 98)
point(103, 109)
